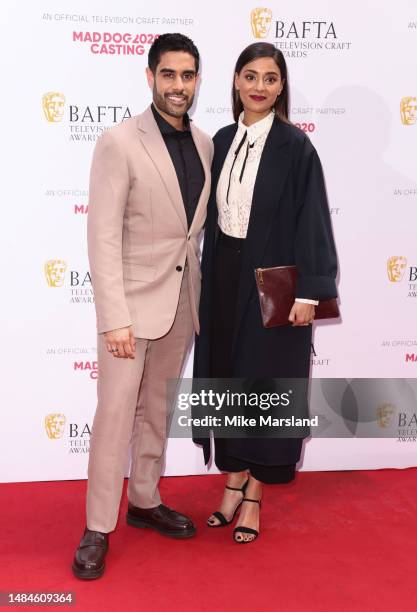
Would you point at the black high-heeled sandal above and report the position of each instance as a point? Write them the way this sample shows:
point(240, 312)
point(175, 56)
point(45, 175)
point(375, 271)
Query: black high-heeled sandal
point(243, 529)
point(219, 515)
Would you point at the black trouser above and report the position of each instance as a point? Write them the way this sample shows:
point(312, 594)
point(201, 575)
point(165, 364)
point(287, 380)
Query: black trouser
point(226, 286)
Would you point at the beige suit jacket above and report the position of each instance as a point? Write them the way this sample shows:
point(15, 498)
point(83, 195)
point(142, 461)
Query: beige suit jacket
point(137, 229)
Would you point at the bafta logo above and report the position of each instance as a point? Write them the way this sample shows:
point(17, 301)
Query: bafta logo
point(55, 272)
point(53, 104)
point(408, 110)
point(384, 414)
point(261, 19)
point(396, 267)
point(55, 425)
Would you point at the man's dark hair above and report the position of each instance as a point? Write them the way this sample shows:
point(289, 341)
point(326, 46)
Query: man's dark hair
point(171, 42)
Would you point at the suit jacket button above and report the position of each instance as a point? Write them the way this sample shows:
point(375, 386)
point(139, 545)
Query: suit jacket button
point(178, 268)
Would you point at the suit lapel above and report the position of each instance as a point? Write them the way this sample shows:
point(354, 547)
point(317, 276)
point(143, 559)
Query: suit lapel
point(155, 146)
point(272, 174)
point(205, 163)
point(221, 149)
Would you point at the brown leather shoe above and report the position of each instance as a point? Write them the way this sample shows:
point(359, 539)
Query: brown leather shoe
point(89, 557)
point(162, 519)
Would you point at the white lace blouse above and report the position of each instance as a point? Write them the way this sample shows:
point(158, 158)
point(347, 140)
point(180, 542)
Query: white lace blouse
point(234, 200)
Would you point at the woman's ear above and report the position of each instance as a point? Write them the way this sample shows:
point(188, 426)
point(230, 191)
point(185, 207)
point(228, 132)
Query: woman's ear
point(236, 81)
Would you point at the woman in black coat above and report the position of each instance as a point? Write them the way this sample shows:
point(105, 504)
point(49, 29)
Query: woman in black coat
point(268, 207)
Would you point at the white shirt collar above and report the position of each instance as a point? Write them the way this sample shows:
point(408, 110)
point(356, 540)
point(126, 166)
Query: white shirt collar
point(256, 129)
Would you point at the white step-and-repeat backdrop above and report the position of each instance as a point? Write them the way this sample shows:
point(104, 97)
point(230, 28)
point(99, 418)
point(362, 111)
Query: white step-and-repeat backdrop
point(73, 69)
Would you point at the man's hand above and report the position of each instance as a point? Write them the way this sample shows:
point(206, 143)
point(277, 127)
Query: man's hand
point(301, 314)
point(121, 342)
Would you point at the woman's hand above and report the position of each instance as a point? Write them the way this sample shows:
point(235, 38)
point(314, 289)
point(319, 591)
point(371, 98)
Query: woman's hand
point(301, 314)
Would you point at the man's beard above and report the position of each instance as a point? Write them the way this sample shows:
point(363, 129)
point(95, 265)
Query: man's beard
point(163, 103)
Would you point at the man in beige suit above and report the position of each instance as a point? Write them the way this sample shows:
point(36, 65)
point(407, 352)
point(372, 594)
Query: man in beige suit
point(149, 186)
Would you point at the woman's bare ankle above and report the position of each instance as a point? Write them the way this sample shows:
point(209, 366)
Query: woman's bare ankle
point(237, 479)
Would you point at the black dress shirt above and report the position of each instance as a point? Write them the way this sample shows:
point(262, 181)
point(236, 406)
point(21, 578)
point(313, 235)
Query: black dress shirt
point(187, 163)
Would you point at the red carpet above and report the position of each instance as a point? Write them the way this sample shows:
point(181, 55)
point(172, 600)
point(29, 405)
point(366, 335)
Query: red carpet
point(330, 541)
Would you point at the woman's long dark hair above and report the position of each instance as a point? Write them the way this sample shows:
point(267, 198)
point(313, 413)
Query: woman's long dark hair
point(253, 52)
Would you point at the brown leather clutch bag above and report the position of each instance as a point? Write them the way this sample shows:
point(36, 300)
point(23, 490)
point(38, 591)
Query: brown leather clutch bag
point(276, 289)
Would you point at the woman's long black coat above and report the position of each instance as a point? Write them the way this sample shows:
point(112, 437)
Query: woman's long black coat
point(289, 224)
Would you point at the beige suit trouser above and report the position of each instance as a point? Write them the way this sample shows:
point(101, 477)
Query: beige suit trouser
point(133, 408)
